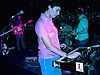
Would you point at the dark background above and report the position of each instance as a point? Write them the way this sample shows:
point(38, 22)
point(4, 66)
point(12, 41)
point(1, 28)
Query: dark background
point(32, 9)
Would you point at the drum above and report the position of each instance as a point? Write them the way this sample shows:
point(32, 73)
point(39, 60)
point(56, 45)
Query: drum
point(65, 34)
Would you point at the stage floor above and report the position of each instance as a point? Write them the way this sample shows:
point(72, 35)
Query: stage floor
point(15, 64)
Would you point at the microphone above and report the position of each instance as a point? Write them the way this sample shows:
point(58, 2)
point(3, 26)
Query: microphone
point(21, 12)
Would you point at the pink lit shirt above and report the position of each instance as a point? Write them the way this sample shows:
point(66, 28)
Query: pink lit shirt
point(45, 26)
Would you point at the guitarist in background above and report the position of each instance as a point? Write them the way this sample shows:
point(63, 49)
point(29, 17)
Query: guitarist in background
point(18, 26)
point(81, 30)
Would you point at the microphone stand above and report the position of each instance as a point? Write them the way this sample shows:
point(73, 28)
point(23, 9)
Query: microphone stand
point(10, 24)
point(6, 32)
point(5, 28)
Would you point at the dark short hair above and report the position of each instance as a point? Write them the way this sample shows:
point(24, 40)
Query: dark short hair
point(52, 3)
point(80, 11)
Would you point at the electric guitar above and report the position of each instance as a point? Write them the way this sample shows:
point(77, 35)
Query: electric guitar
point(20, 28)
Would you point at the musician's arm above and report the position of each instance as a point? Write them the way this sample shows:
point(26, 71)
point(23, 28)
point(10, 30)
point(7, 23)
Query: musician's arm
point(82, 27)
point(47, 41)
point(83, 31)
point(79, 32)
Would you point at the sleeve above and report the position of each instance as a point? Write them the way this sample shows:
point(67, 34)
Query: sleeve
point(41, 29)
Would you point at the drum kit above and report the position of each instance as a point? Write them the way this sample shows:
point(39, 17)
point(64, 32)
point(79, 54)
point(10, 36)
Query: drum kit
point(65, 35)
point(83, 56)
point(4, 49)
